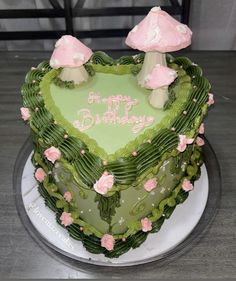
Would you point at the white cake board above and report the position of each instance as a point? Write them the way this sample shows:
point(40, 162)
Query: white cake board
point(174, 230)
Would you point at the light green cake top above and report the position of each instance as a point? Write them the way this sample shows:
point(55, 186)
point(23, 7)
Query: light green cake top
point(87, 105)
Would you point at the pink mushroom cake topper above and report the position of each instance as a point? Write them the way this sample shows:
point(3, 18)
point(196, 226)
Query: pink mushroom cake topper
point(158, 80)
point(160, 76)
point(155, 35)
point(70, 54)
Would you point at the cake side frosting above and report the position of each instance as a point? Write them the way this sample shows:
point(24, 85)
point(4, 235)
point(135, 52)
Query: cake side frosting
point(91, 238)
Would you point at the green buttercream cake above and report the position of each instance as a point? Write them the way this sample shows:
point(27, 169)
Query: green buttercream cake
point(110, 164)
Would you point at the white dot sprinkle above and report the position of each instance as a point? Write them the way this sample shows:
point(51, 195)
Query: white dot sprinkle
point(162, 190)
point(121, 221)
point(155, 9)
point(78, 56)
point(153, 34)
point(181, 28)
point(58, 43)
point(56, 178)
point(54, 63)
point(134, 29)
point(147, 78)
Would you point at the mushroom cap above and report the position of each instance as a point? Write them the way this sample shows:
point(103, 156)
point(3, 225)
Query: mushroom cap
point(158, 31)
point(160, 76)
point(69, 52)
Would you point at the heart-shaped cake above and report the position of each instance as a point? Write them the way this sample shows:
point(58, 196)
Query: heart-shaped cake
point(117, 142)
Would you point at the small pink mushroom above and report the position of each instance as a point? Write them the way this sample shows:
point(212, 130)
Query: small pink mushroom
point(158, 80)
point(71, 55)
point(157, 34)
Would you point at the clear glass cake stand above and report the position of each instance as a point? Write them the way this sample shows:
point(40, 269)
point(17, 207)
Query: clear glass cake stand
point(212, 204)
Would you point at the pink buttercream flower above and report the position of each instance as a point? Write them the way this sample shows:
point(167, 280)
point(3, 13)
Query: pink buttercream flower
point(40, 175)
point(108, 242)
point(67, 196)
point(186, 185)
point(52, 154)
point(66, 219)
point(183, 141)
point(25, 113)
point(200, 141)
point(210, 99)
point(201, 129)
point(146, 225)
point(150, 184)
point(104, 184)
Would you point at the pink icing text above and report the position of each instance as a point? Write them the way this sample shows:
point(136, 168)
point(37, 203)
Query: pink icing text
point(117, 112)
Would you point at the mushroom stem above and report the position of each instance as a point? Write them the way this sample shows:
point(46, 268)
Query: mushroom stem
point(150, 60)
point(75, 74)
point(159, 97)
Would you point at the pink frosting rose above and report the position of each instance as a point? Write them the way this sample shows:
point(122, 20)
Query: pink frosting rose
point(104, 184)
point(183, 141)
point(150, 184)
point(187, 186)
point(68, 196)
point(200, 141)
point(25, 113)
point(108, 242)
point(40, 175)
point(66, 219)
point(146, 225)
point(201, 129)
point(210, 99)
point(52, 154)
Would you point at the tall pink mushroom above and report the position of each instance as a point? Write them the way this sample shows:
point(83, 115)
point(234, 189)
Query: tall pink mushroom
point(71, 55)
point(157, 34)
point(158, 80)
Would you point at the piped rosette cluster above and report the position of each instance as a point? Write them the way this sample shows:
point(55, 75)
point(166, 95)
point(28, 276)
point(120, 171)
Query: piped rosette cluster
point(70, 54)
point(184, 141)
point(155, 35)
